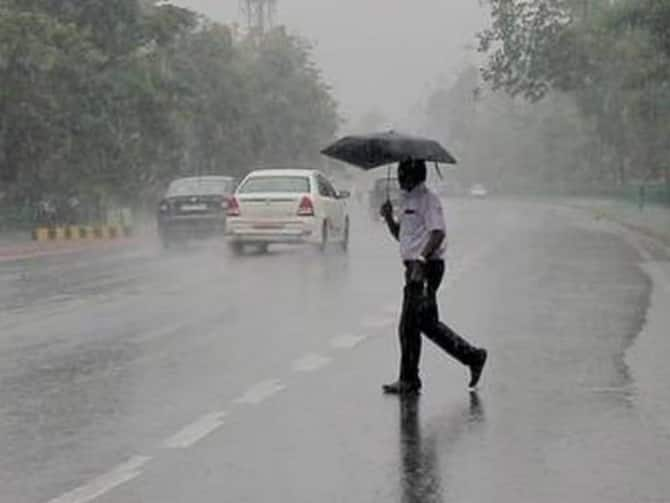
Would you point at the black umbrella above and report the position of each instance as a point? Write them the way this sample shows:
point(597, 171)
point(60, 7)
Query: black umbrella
point(378, 149)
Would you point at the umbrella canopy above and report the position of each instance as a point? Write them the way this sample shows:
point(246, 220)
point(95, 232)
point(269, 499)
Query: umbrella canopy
point(378, 149)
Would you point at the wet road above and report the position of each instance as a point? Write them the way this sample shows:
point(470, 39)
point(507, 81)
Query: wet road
point(142, 376)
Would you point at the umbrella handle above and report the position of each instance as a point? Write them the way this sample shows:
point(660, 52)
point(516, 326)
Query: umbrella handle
point(388, 184)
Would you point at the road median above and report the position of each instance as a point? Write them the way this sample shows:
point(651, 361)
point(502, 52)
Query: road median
point(81, 232)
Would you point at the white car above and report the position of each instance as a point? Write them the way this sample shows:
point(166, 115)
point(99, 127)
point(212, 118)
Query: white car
point(287, 206)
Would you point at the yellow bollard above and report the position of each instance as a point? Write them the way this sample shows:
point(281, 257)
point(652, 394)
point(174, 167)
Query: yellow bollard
point(42, 234)
point(59, 234)
point(73, 232)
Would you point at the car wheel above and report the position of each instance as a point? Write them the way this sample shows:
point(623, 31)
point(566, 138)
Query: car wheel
point(236, 248)
point(324, 237)
point(345, 236)
point(166, 242)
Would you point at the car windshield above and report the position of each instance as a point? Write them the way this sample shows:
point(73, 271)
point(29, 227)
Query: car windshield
point(276, 184)
point(199, 186)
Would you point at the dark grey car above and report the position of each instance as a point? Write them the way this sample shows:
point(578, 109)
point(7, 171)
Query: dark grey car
point(194, 207)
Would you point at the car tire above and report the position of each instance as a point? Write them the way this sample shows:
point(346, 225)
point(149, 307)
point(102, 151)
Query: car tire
point(166, 242)
point(236, 248)
point(324, 237)
point(344, 244)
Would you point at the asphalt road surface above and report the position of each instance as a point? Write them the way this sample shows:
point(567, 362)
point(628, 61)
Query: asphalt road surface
point(136, 375)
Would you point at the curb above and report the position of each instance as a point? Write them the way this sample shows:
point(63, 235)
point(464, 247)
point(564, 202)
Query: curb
point(603, 214)
point(651, 233)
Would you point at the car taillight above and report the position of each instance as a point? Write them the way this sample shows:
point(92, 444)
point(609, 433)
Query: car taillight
point(233, 207)
point(306, 208)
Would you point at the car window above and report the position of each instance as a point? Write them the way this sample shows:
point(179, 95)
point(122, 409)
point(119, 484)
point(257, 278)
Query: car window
point(329, 188)
point(275, 184)
point(325, 188)
point(200, 186)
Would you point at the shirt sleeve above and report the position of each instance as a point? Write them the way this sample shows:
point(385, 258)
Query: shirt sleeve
point(434, 215)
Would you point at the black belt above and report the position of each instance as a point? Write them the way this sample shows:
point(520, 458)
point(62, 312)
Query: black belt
point(429, 261)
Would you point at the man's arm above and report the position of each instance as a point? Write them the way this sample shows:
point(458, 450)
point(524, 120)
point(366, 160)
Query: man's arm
point(435, 240)
point(434, 216)
point(393, 226)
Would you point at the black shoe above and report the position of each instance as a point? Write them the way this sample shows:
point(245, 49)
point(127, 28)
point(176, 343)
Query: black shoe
point(476, 367)
point(401, 388)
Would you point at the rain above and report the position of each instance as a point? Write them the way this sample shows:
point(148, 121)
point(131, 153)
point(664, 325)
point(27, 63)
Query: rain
point(299, 250)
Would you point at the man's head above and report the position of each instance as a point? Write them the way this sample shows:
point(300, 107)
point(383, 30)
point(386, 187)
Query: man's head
point(411, 173)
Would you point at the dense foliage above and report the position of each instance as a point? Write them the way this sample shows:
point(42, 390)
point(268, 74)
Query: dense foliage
point(575, 93)
point(117, 97)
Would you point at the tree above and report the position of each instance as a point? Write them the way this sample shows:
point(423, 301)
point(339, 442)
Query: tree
point(119, 97)
point(611, 56)
point(42, 61)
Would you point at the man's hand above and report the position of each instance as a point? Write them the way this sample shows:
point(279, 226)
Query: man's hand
point(386, 210)
point(416, 272)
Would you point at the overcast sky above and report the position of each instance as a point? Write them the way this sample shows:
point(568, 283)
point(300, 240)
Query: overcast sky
point(381, 54)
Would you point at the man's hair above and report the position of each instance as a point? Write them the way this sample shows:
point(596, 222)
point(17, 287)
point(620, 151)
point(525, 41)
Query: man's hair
point(417, 168)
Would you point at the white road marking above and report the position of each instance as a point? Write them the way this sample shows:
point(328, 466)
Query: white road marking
point(310, 363)
point(196, 431)
point(261, 391)
point(611, 389)
point(105, 483)
point(346, 341)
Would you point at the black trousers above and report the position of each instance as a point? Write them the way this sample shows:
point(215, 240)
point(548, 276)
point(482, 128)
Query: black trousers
point(420, 315)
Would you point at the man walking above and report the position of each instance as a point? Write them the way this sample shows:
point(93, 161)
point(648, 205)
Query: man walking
point(421, 232)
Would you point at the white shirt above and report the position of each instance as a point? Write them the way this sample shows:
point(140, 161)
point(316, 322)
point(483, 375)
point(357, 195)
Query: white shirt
point(420, 214)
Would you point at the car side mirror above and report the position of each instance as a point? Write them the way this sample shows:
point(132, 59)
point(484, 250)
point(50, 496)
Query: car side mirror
point(343, 194)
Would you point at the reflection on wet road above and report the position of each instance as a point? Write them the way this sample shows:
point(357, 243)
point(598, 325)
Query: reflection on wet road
point(420, 477)
point(140, 375)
